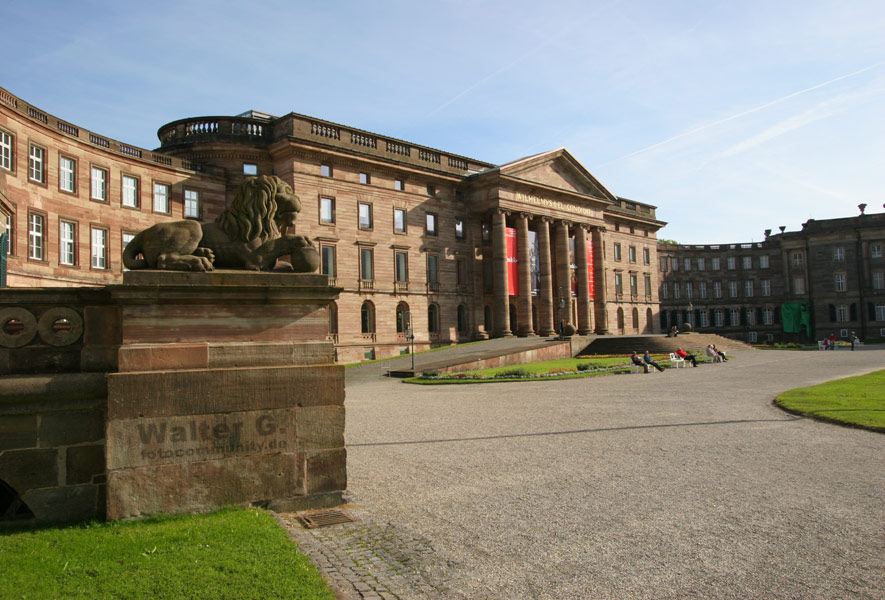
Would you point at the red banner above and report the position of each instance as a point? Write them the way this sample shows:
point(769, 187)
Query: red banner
point(512, 262)
point(590, 279)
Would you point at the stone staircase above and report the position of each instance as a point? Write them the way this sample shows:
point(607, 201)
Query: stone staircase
point(696, 343)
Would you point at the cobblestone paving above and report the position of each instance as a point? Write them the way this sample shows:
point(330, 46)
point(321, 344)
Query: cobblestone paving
point(372, 560)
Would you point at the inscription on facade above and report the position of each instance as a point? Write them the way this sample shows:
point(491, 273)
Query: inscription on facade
point(553, 204)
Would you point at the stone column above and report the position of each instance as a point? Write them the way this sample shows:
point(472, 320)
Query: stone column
point(563, 274)
point(501, 307)
point(582, 287)
point(599, 307)
point(547, 299)
point(523, 254)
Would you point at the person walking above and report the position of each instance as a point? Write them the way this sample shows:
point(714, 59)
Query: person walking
point(852, 338)
point(650, 361)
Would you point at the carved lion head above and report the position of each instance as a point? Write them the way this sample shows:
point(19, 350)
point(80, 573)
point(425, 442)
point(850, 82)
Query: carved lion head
point(254, 207)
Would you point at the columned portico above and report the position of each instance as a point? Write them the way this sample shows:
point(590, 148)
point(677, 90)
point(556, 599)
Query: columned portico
point(499, 274)
point(523, 255)
point(547, 300)
point(599, 266)
point(582, 284)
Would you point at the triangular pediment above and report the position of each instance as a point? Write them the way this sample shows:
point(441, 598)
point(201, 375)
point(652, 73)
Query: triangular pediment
point(557, 169)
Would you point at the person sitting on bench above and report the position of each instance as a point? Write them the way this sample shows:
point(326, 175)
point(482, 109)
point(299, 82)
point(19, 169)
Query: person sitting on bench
point(650, 361)
point(686, 356)
point(638, 362)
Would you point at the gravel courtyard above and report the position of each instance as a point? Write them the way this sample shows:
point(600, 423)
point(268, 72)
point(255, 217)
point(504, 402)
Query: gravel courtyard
point(682, 484)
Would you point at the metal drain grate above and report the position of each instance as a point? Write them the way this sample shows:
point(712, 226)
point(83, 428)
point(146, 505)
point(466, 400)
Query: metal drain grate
point(324, 519)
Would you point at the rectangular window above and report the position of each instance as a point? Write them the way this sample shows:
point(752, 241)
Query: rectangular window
point(732, 263)
point(398, 185)
point(617, 251)
point(875, 250)
point(35, 237)
point(798, 285)
point(751, 336)
point(839, 281)
point(714, 263)
point(704, 320)
point(718, 318)
point(766, 287)
point(431, 224)
point(878, 280)
point(327, 254)
point(367, 266)
point(689, 290)
point(432, 269)
point(675, 291)
point(5, 151)
point(702, 289)
point(686, 264)
point(126, 238)
point(326, 170)
point(67, 169)
point(619, 283)
point(838, 253)
point(751, 316)
point(634, 291)
point(459, 229)
point(880, 312)
point(161, 198)
point(763, 261)
point(67, 254)
point(674, 263)
point(631, 253)
point(748, 288)
point(99, 248)
point(431, 190)
point(9, 223)
point(798, 259)
point(648, 286)
point(402, 266)
point(99, 187)
point(767, 316)
point(365, 179)
point(734, 317)
point(191, 204)
point(461, 271)
point(732, 289)
point(748, 262)
point(327, 211)
point(701, 263)
point(250, 169)
point(130, 191)
point(399, 220)
point(35, 164)
point(663, 264)
point(646, 256)
point(842, 313)
point(717, 289)
point(365, 214)
point(664, 292)
point(486, 232)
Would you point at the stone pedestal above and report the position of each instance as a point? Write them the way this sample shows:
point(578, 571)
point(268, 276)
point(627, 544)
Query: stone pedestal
point(224, 395)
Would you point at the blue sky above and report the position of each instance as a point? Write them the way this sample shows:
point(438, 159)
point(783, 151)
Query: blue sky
point(731, 117)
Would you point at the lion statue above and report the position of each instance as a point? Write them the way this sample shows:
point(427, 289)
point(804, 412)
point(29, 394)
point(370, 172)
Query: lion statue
point(245, 236)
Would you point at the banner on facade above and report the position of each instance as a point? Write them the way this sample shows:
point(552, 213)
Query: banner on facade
point(573, 266)
point(512, 262)
point(591, 281)
point(535, 263)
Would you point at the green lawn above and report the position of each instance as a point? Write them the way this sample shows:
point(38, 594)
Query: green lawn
point(855, 400)
point(232, 554)
point(550, 369)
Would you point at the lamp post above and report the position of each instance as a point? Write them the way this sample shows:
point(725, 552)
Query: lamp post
point(410, 335)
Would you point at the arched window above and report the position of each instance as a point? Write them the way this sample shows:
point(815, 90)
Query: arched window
point(487, 318)
point(433, 318)
point(648, 320)
point(333, 318)
point(367, 317)
point(635, 319)
point(402, 317)
point(462, 318)
point(621, 319)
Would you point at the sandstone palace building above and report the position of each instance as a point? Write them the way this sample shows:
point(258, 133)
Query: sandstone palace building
point(421, 241)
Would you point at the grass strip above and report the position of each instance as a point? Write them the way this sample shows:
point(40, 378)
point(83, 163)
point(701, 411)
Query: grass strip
point(857, 401)
point(231, 554)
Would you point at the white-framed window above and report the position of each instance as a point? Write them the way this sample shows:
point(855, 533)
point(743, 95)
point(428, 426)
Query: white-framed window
point(839, 282)
point(717, 289)
point(875, 250)
point(99, 185)
point(843, 333)
point(664, 292)
point(880, 311)
point(365, 215)
point(125, 239)
point(732, 263)
point(325, 170)
point(327, 255)
point(634, 286)
point(432, 269)
point(192, 204)
point(751, 316)
point(838, 253)
point(878, 280)
point(67, 247)
point(718, 317)
point(619, 284)
point(631, 253)
point(130, 191)
point(734, 317)
point(35, 236)
point(748, 262)
point(732, 289)
point(617, 251)
point(766, 287)
point(797, 258)
point(367, 264)
point(675, 290)
point(459, 229)
point(686, 264)
point(399, 220)
point(36, 164)
point(161, 198)
point(704, 321)
point(365, 178)
point(689, 292)
point(751, 337)
point(674, 263)
point(767, 316)
point(715, 264)
point(663, 264)
point(763, 261)
point(401, 266)
point(646, 256)
point(398, 185)
point(842, 313)
point(798, 285)
point(648, 286)
point(99, 248)
point(748, 288)
point(702, 289)
point(327, 210)
point(5, 151)
point(9, 222)
point(67, 169)
point(430, 223)
point(701, 264)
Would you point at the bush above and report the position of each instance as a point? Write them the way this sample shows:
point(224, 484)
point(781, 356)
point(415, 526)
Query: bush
point(513, 373)
point(430, 374)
